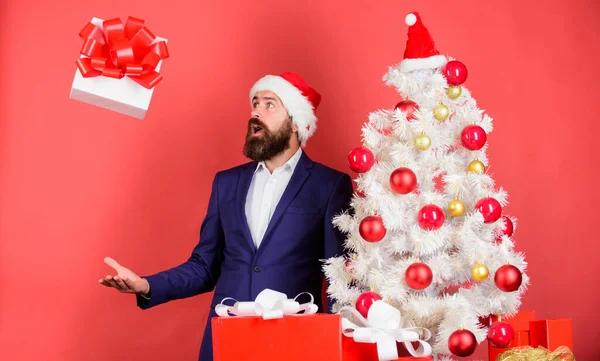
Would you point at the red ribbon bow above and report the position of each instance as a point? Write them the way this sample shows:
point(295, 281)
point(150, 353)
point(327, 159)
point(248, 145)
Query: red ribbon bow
point(121, 51)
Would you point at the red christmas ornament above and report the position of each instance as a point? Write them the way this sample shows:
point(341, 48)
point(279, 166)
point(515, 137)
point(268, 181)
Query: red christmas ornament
point(418, 276)
point(508, 229)
point(408, 107)
point(490, 208)
point(403, 180)
point(364, 302)
point(360, 160)
point(508, 278)
point(473, 137)
point(455, 72)
point(372, 229)
point(462, 343)
point(500, 334)
point(431, 217)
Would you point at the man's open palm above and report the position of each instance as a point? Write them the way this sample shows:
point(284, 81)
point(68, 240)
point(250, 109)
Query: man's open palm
point(125, 280)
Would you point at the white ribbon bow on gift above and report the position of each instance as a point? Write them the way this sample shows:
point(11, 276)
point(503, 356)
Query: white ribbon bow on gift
point(269, 304)
point(382, 327)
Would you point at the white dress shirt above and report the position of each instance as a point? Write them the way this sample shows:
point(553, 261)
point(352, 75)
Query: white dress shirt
point(264, 194)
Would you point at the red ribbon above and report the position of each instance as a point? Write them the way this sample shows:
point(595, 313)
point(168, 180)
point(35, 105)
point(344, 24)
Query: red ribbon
point(118, 51)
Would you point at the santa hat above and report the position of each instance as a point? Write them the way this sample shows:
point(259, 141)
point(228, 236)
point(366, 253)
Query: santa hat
point(420, 52)
point(300, 100)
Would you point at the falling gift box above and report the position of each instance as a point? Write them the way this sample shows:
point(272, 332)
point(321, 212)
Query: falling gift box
point(273, 329)
point(119, 65)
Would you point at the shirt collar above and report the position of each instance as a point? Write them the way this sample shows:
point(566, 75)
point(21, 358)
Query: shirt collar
point(290, 164)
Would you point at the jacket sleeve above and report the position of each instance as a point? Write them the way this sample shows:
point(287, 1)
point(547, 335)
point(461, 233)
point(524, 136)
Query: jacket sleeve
point(339, 202)
point(199, 274)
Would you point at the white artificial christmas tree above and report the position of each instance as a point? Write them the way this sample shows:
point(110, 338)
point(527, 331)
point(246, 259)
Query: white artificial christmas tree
point(426, 232)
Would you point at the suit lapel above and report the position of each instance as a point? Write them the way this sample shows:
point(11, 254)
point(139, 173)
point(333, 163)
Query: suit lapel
point(242, 192)
point(299, 177)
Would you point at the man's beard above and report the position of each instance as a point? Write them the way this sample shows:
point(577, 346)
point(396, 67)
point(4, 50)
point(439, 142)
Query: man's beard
point(268, 144)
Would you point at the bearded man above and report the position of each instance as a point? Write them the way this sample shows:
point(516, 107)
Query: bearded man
point(269, 221)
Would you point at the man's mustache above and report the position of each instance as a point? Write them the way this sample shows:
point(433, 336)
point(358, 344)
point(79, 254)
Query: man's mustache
point(256, 121)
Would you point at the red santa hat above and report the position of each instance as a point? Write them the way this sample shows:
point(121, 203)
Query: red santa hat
point(300, 100)
point(420, 52)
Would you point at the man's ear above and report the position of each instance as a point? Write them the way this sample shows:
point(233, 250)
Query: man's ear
point(294, 127)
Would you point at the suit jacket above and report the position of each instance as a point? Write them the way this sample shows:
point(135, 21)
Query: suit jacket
point(299, 236)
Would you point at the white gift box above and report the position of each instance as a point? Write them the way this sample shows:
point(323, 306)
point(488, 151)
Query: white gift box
point(120, 95)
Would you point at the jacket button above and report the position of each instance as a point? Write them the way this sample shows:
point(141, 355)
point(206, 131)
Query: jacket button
point(257, 269)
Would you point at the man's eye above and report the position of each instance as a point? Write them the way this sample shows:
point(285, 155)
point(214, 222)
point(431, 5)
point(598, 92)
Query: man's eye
point(270, 105)
point(254, 105)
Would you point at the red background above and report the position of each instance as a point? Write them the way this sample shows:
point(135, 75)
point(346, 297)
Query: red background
point(79, 183)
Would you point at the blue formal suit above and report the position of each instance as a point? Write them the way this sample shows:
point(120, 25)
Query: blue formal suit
point(289, 259)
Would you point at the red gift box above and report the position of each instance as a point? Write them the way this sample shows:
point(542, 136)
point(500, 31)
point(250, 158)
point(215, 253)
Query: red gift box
point(360, 351)
point(551, 333)
point(291, 338)
point(520, 323)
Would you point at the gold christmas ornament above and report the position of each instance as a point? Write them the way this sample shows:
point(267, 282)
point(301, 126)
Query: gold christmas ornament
point(456, 208)
point(476, 166)
point(454, 92)
point(422, 141)
point(441, 112)
point(479, 272)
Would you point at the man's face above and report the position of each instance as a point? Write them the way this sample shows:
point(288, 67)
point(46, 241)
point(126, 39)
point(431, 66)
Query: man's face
point(269, 128)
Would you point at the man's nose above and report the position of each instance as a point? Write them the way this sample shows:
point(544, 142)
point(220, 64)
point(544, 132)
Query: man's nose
point(255, 113)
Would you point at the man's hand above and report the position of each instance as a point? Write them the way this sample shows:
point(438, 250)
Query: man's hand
point(125, 281)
